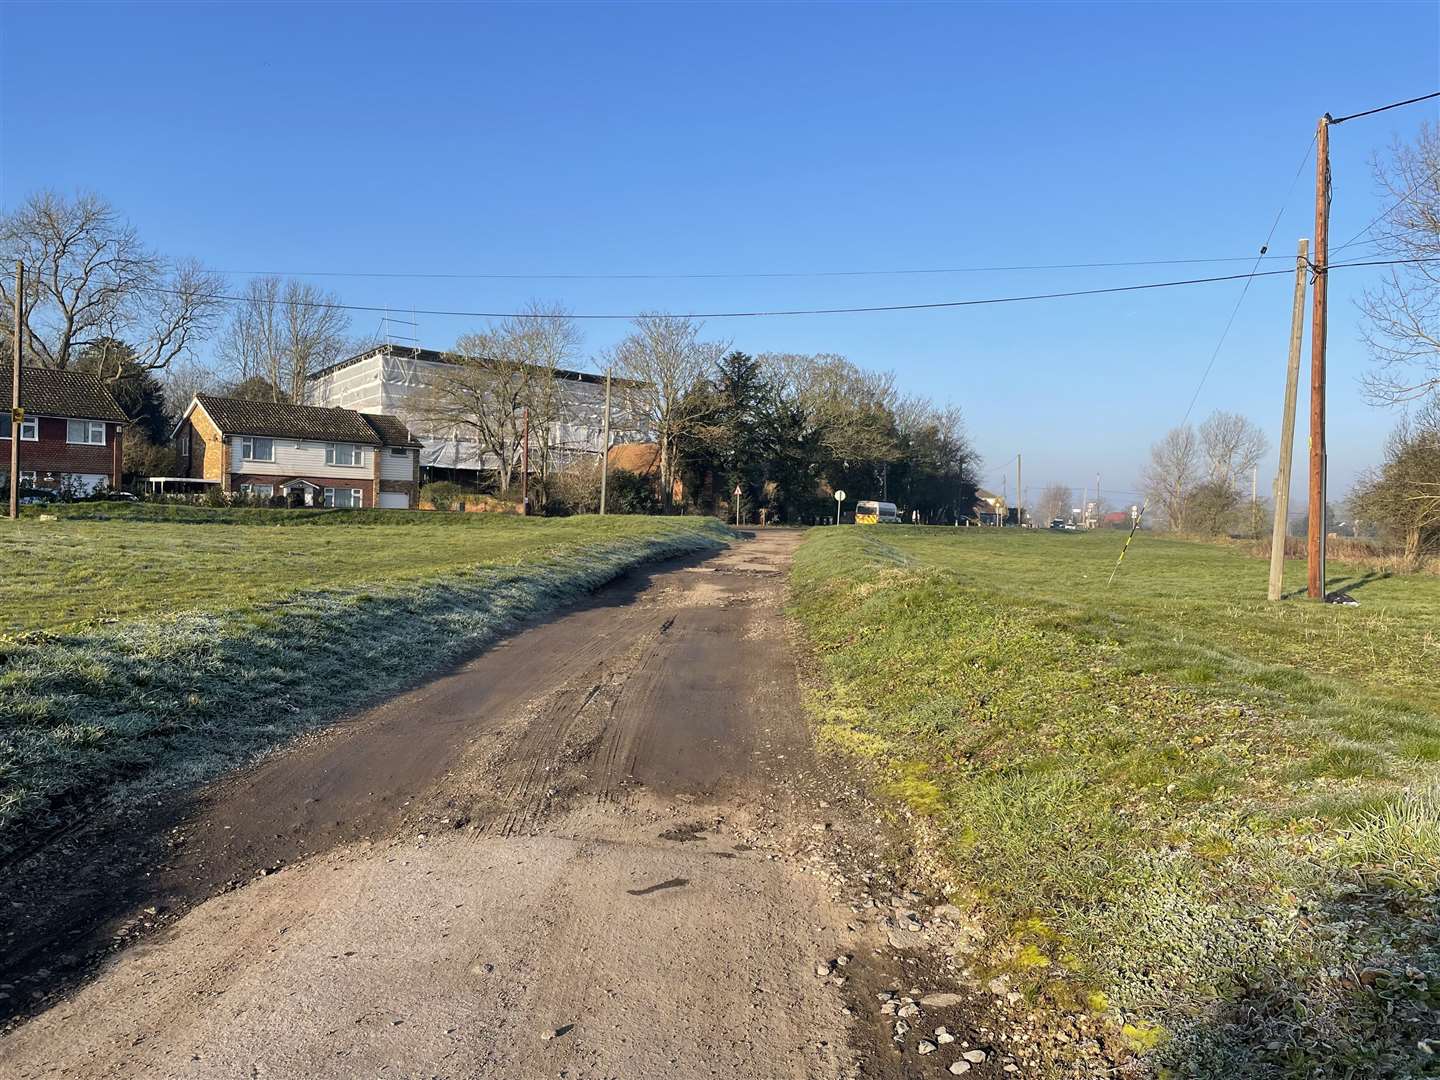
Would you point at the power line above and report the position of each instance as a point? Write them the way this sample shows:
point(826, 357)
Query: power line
point(731, 276)
point(1383, 108)
point(1239, 300)
point(371, 309)
point(1390, 210)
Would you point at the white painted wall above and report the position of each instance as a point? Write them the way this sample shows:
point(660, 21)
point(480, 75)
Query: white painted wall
point(397, 466)
point(300, 457)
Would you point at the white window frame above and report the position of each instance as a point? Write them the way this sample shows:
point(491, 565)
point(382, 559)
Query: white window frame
point(29, 429)
point(357, 498)
point(263, 491)
point(247, 448)
point(356, 453)
point(91, 429)
point(28, 476)
point(399, 451)
point(185, 444)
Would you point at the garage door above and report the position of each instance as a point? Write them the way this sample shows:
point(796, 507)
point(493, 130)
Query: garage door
point(394, 500)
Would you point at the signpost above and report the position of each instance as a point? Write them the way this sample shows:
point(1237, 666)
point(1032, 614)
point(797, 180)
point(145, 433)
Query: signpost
point(737, 493)
point(839, 498)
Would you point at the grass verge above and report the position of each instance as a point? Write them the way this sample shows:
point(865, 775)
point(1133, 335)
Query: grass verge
point(1209, 819)
point(114, 707)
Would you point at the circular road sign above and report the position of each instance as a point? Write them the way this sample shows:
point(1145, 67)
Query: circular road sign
point(839, 496)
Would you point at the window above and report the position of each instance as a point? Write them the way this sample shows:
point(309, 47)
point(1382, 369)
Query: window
point(344, 454)
point(256, 449)
point(353, 498)
point(27, 478)
point(84, 432)
point(260, 491)
point(399, 451)
point(185, 444)
point(29, 428)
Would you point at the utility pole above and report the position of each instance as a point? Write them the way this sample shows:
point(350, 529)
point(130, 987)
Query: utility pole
point(1019, 494)
point(16, 415)
point(1097, 499)
point(525, 466)
point(1287, 427)
point(1315, 553)
point(605, 445)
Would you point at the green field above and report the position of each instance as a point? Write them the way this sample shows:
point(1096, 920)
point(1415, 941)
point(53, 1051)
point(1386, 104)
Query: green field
point(145, 559)
point(1204, 816)
point(162, 647)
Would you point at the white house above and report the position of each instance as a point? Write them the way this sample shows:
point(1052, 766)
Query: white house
point(316, 456)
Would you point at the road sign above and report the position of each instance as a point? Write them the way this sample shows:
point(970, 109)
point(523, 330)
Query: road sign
point(737, 492)
point(840, 496)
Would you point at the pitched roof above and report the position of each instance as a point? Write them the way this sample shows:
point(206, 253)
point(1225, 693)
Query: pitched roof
point(48, 392)
point(636, 457)
point(280, 419)
point(391, 429)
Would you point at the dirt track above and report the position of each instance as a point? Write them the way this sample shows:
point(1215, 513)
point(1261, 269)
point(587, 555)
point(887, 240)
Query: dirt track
point(591, 852)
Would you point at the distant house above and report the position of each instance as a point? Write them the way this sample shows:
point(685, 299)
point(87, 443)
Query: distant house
point(989, 509)
point(316, 456)
point(72, 438)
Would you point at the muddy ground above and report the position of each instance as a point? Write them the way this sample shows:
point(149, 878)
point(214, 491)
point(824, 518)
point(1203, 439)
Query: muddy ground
point(601, 849)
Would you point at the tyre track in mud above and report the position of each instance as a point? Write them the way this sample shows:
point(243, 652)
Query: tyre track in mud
point(588, 853)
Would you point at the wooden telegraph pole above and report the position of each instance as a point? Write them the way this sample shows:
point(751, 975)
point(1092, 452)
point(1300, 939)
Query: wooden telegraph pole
point(1315, 554)
point(605, 444)
point(525, 466)
point(1019, 495)
point(16, 416)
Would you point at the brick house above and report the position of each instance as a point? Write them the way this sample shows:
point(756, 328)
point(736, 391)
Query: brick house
point(73, 435)
point(329, 457)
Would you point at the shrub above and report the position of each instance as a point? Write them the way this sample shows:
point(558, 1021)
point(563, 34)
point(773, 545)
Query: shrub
point(443, 495)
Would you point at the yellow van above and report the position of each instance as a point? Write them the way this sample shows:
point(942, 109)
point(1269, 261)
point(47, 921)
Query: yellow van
point(869, 512)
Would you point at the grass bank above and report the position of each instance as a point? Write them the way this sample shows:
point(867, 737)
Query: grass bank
point(1211, 819)
point(221, 640)
point(107, 561)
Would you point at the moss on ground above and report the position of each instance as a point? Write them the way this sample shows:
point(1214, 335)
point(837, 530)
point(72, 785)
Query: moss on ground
point(1215, 814)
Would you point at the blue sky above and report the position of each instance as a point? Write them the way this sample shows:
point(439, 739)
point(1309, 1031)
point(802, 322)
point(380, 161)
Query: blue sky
point(716, 139)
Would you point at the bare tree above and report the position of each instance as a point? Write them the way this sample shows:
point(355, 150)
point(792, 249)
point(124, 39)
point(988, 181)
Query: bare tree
point(497, 379)
point(665, 361)
point(1055, 502)
point(857, 413)
point(1232, 445)
point(1402, 315)
point(280, 332)
point(90, 280)
point(316, 333)
point(1403, 494)
point(182, 381)
point(1172, 473)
